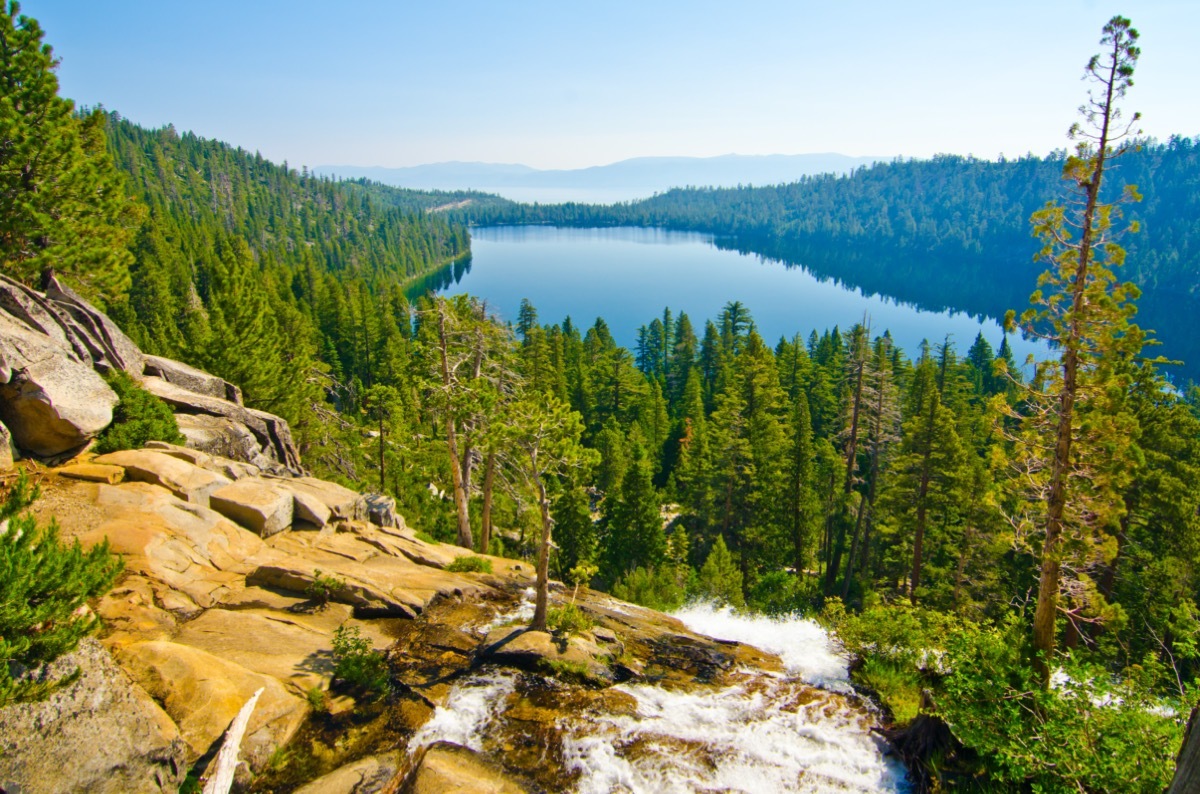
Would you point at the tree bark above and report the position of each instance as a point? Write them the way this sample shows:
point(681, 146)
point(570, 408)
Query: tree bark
point(489, 484)
point(543, 566)
point(456, 476)
point(1187, 764)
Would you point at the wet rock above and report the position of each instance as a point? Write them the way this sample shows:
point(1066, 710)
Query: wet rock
point(50, 400)
point(375, 773)
point(101, 734)
point(190, 483)
point(257, 504)
point(446, 768)
point(192, 379)
point(541, 650)
point(202, 693)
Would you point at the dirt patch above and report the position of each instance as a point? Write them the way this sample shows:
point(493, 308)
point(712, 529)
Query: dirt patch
point(69, 502)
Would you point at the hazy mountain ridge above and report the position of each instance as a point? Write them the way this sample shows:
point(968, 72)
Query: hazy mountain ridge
point(639, 173)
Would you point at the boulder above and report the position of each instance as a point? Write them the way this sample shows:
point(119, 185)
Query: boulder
point(233, 469)
point(203, 693)
point(218, 435)
point(310, 509)
point(33, 311)
point(107, 343)
point(192, 379)
point(92, 472)
point(447, 768)
point(271, 433)
point(50, 400)
point(343, 503)
point(374, 773)
point(102, 734)
point(188, 482)
point(257, 504)
point(381, 511)
point(535, 649)
point(8, 449)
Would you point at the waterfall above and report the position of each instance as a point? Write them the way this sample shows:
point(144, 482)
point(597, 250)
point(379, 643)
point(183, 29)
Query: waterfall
point(769, 733)
point(800, 730)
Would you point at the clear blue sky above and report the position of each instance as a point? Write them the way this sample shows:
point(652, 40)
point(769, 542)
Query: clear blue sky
point(570, 84)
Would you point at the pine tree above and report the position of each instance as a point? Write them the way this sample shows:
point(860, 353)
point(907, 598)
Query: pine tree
point(720, 578)
point(43, 585)
point(633, 535)
point(62, 202)
point(1077, 440)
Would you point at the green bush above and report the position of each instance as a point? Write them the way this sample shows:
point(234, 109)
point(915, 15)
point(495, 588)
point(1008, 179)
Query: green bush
point(470, 564)
point(657, 588)
point(43, 584)
point(425, 537)
point(323, 588)
point(720, 578)
point(357, 664)
point(782, 593)
point(138, 417)
point(568, 618)
point(898, 687)
point(1096, 730)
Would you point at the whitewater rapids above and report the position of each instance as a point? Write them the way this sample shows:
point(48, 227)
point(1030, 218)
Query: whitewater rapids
point(770, 732)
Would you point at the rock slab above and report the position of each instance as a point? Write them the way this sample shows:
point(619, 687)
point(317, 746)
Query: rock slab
point(100, 734)
point(370, 775)
point(190, 483)
point(257, 504)
point(448, 768)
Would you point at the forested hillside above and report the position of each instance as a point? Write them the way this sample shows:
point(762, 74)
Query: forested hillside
point(951, 232)
point(291, 285)
point(1012, 558)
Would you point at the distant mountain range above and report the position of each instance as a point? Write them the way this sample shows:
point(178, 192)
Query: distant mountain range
point(640, 176)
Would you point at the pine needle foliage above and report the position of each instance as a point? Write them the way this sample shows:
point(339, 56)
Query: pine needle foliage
point(138, 417)
point(45, 585)
point(62, 201)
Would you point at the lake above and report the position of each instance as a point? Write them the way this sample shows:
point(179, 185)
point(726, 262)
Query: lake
point(628, 275)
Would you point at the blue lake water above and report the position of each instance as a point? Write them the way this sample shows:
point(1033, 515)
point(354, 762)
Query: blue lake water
point(628, 275)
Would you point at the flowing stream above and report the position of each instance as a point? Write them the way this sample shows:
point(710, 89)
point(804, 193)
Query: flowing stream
point(794, 731)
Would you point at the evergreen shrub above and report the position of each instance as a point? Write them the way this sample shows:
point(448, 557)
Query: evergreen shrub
point(470, 564)
point(44, 584)
point(138, 417)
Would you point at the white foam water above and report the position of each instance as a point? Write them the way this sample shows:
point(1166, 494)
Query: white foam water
point(470, 707)
point(805, 648)
point(756, 740)
point(771, 733)
point(522, 613)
